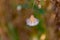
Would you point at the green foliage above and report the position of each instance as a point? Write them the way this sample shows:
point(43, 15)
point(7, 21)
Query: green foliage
point(41, 10)
point(40, 27)
point(13, 33)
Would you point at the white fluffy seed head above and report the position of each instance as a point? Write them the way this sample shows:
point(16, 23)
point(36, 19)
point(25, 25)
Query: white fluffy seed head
point(39, 6)
point(19, 7)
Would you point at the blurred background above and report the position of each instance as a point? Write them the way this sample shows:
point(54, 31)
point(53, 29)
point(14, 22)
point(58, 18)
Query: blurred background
point(14, 14)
